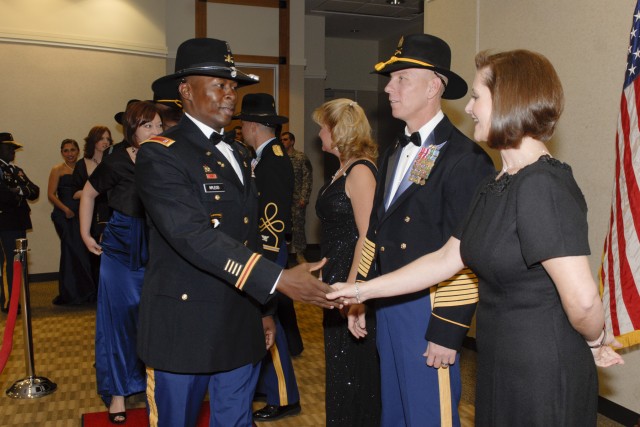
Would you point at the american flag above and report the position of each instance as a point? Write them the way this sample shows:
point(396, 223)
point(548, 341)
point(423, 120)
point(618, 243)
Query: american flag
point(620, 271)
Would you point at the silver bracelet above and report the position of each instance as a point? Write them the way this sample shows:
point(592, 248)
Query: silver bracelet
point(602, 341)
point(358, 294)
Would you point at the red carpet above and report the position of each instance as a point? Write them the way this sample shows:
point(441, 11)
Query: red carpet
point(135, 418)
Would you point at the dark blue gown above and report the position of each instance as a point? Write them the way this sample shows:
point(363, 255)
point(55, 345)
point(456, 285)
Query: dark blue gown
point(119, 371)
point(75, 280)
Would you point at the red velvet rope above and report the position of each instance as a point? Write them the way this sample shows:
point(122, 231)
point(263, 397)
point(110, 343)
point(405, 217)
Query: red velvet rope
point(7, 338)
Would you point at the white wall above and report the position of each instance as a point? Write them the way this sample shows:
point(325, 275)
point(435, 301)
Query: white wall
point(230, 22)
point(349, 64)
point(122, 25)
point(586, 40)
point(250, 30)
point(67, 66)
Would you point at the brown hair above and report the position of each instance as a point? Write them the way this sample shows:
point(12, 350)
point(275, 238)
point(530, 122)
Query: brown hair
point(349, 127)
point(137, 114)
point(291, 136)
point(69, 141)
point(95, 135)
point(527, 96)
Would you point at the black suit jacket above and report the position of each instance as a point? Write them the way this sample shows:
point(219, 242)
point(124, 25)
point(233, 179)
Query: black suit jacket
point(15, 190)
point(422, 219)
point(274, 179)
point(200, 309)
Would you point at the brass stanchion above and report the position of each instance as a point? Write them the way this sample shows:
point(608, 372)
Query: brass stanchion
point(32, 386)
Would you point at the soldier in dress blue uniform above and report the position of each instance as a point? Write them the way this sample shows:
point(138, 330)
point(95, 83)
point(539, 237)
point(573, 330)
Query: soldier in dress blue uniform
point(15, 190)
point(201, 327)
point(424, 186)
point(274, 178)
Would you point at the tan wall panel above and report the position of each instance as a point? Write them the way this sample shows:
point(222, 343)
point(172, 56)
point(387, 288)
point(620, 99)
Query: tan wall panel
point(586, 41)
point(53, 93)
point(129, 25)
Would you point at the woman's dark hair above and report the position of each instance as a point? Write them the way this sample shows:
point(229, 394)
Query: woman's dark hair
point(69, 141)
point(527, 96)
point(137, 114)
point(95, 135)
point(168, 115)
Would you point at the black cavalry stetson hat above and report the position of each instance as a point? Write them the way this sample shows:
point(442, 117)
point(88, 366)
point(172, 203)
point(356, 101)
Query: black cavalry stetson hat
point(7, 138)
point(260, 108)
point(205, 57)
point(425, 51)
point(118, 116)
point(167, 94)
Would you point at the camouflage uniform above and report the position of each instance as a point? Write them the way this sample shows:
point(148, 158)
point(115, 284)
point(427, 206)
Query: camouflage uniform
point(303, 180)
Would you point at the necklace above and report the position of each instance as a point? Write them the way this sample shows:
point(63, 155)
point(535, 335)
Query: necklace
point(337, 175)
point(519, 164)
point(341, 170)
point(67, 165)
point(95, 161)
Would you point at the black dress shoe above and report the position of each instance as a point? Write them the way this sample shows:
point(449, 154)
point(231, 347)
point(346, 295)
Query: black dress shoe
point(273, 412)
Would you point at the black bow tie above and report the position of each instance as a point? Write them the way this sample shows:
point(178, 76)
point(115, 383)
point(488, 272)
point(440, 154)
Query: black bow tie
point(415, 138)
point(228, 137)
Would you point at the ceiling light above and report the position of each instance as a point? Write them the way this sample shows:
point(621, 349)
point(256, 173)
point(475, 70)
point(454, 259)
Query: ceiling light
point(395, 2)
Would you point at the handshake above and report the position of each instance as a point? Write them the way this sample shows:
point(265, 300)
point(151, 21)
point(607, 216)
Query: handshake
point(300, 285)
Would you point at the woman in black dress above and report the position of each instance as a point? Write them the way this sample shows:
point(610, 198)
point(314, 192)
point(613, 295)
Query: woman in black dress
point(95, 144)
point(352, 396)
point(540, 320)
point(75, 281)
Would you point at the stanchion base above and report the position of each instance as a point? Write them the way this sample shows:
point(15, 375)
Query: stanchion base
point(31, 388)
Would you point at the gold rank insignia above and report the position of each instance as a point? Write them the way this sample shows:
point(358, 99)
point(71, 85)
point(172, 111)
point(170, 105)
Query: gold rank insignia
point(160, 140)
point(220, 164)
point(277, 150)
point(206, 168)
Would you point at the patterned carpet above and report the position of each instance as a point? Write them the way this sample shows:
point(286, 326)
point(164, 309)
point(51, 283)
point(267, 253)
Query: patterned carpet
point(63, 352)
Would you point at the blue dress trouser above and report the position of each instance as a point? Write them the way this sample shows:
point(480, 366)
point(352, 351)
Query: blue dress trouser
point(277, 378)
point(174, 400)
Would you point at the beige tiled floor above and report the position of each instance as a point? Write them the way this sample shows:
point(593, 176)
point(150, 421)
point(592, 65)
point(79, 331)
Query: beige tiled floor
point(63, 349)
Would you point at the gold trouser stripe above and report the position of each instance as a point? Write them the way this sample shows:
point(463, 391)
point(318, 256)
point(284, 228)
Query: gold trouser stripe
point(253, 260)
point(444, 383)
point(151, 397)
point(282, 383)
point(444, 386)
point(450, 321)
